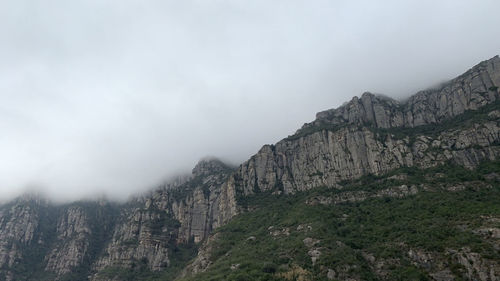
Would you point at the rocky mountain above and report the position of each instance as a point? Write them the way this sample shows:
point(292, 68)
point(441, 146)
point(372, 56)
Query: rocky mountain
point(367, 135)
point(349, 196)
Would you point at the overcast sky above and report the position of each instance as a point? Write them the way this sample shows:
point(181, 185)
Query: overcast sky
point(112, 97)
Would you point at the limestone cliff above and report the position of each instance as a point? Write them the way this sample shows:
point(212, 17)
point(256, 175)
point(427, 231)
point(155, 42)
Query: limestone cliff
point(184, 212)
point(470, 91)
point(370, 135)
point(19, 229)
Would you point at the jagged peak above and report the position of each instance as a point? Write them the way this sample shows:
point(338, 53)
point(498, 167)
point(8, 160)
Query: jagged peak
point(365, 100)
point(493, 63)
point(209, 166)
point(437, 103)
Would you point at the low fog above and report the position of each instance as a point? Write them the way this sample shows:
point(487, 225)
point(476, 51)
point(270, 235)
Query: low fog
point(103, 97)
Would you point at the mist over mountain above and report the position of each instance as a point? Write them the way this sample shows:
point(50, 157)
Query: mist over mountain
point(113, 97)
point(376, 189)
point(285, 140)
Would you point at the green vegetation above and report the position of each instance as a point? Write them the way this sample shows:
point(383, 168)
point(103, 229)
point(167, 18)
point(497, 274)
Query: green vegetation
point(443, 174)
point(383, 227)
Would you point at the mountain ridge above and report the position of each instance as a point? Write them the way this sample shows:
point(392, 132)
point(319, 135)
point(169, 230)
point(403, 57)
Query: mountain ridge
point(156, 234)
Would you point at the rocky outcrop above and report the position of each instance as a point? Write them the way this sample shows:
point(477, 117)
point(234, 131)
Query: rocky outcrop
point(203, 259)
point(142, 238)
point(20, 231)
point(368, 136)
point(73, 233)
point(476, 266)
point(184, 212)
point(470, 91)
point(326, 158)
point(37, 237)
point(93, 236)
point(210, 204)
point(473, 265)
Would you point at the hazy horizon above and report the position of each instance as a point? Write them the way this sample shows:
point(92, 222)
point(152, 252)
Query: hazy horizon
point(110, 98)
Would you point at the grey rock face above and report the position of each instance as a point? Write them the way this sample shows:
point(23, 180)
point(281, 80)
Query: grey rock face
point(209, 166)
point(141, 237)
point(73, 232)
point(325, 158)
point(186, 211)
point(19, 230)
point(208, 206)
point(58, 239)
point(469, 91)
point(355, 146)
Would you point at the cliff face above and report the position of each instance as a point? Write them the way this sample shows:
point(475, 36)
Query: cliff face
point(40, 239)
point(370, 135)
point(73, 228)
point(325, 158)
point(208, 206)
point(94, 237)
point(470, 91)
point(459, 122)
point(181, 213)
point(81, 230)
point(19, 229)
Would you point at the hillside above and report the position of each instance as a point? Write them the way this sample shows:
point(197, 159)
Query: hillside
point(376, 189)
point(440, 223)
